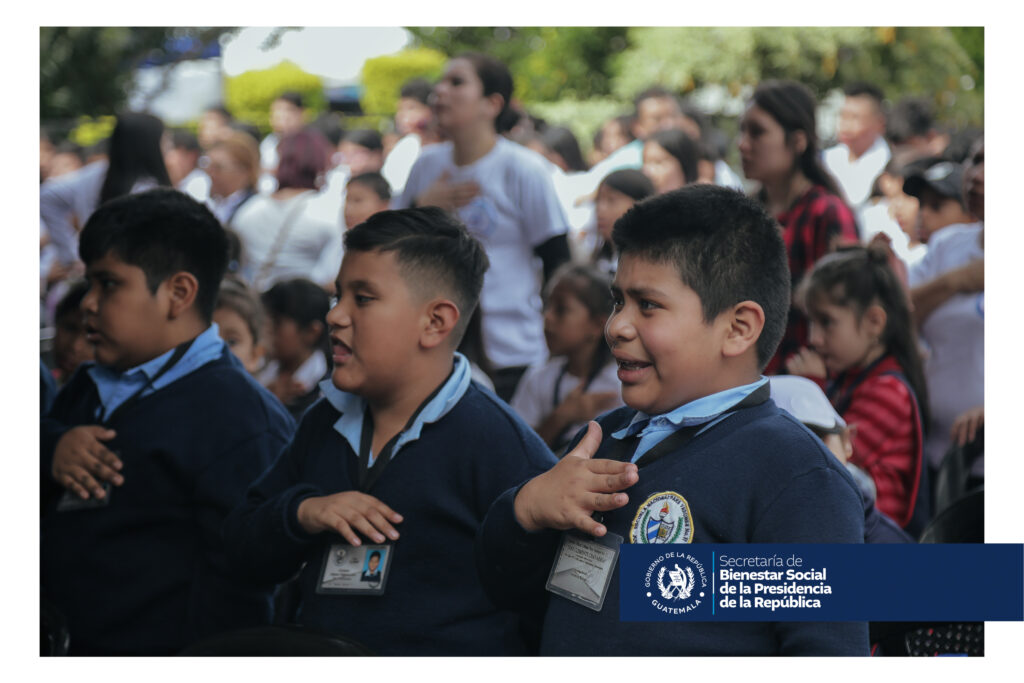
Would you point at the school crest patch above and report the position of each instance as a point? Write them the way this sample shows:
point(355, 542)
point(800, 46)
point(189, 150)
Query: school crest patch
point(662, 518)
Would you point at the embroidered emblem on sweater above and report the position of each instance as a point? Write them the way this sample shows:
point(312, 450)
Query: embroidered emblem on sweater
point(662, 518)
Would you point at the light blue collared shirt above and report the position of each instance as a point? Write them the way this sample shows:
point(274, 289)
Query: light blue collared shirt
point(114, 388)
point(708, 410)
point(353, 408)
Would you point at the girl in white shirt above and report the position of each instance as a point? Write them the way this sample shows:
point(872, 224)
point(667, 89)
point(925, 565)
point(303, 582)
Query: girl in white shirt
point(580, 380)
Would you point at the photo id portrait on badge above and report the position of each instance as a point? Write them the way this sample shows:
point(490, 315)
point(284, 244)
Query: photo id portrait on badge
point(583, 568)
point(355, 570)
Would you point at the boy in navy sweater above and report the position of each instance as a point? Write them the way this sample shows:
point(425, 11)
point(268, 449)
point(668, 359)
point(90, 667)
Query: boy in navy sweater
point(403, 456)
point(146, 451)
point(700, 302)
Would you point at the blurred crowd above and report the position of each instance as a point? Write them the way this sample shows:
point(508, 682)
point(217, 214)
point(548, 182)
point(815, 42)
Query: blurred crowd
point(883, 226)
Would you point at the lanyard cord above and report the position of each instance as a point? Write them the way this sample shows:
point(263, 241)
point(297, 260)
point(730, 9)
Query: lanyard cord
point(179, 352)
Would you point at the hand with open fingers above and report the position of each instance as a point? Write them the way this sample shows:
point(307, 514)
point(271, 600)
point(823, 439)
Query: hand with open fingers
point(81, 461)
point(806, 363)
point(448, 195)
point(568, 494)
point(966, 426)
point(349, 512)
point(580, 405)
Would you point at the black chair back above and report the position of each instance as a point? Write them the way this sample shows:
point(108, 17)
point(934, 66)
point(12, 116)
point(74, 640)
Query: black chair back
point(961, 522)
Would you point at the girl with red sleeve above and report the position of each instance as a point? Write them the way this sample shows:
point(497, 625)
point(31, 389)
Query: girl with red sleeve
point(863, 341)
point(778, 147)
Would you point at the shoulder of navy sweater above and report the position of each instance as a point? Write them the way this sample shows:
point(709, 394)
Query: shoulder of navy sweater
point(222, 391)
point(481, 418)
point(774, 443)
point(485, 419)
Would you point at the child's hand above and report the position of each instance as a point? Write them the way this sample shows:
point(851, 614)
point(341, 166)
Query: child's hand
point(348, 512)
point(580, 406)
point(448, 195)
point(966, 426)
point(80, 459)
point(568, 494)
point(806, 363)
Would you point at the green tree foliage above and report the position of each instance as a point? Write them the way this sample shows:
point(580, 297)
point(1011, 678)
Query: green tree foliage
point(902, 61)
point(87, 71)
point(383, 77)
point(547, 63)
point(248, 95)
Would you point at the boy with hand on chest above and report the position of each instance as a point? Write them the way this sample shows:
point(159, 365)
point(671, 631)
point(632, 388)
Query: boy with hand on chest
point(401, 459)
point(700, 453)
point(146, 451)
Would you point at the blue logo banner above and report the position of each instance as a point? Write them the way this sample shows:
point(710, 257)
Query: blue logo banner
point(821, 582)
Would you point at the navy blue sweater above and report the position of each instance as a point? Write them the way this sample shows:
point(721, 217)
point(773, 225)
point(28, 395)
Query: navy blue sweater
point(147, 574)
point(442, 484)
point(759, 476)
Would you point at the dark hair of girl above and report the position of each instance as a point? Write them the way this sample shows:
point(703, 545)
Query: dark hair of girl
point(561, 141)
point(792, 106)
point(496, 78)
point(135, 154)
point(630, 182)
point(301, 300)
point(683, 148)
point(859, 277)
point(593, 289)
point(373, 181)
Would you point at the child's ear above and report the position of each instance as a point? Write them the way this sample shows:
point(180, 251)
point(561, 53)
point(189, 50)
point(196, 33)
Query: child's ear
point(182, 288)
point(799, 141)
point(440, 318)
point(874, 321)
point(745, 322)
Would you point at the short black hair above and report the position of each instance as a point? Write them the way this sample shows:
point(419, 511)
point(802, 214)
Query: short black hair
point(375, 181)
point(655, 92)
point(862, 89)
point(292, 97)
point(182, 138)
point(418, 89)
point(162, 231)
point(365, 137)
point(725, 247)
point(630, 182)
point(222, 111)
point(433, 250)
point(911, 117)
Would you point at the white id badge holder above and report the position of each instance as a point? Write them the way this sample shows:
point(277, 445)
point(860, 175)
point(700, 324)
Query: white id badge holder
point(355, 570)
point(583, 568)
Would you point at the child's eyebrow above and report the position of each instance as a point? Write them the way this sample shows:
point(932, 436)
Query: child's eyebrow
point(644, 292)
point(357, 284)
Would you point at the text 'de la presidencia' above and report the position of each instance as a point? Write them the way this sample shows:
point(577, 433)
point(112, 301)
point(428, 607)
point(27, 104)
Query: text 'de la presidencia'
point(821, 582)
